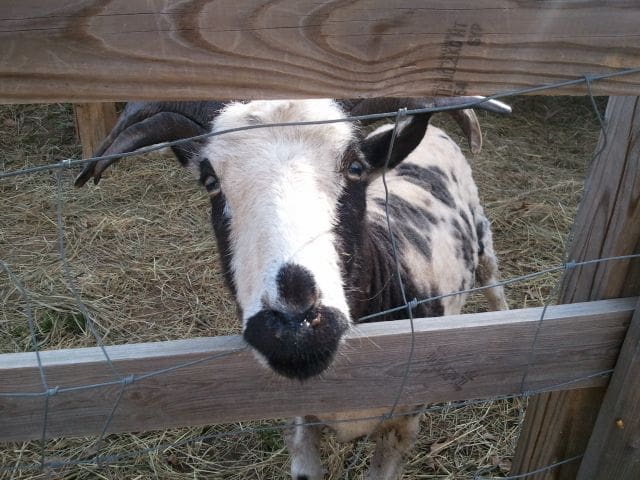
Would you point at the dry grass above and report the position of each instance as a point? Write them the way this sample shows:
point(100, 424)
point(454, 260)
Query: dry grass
point(143, 256)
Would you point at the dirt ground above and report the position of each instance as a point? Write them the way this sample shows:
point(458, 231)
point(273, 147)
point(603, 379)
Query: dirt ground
point(144, 259)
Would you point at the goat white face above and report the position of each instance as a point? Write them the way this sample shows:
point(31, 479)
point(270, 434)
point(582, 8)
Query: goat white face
point(280, 188)
point(279, 196)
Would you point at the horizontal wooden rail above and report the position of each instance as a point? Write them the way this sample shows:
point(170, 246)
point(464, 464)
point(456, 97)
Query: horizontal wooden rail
point(97, 50)
point(456, 357)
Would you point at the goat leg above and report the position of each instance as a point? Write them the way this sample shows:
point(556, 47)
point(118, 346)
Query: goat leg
point(302, 443)
point(392, 445)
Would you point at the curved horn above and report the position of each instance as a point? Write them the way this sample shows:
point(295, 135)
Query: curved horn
point(481, 103)
point(147, 123)
point(465, 117)
point(365, 106)
point(468, 122)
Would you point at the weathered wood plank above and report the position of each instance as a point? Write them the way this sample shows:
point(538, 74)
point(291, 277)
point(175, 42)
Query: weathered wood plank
point(614, 447)
point(109, 50)
point(457, 357)
point(93, 123)
point(558, 425)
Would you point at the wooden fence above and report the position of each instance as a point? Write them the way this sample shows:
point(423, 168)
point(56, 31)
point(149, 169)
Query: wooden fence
point(100, 50)
point(109, 50)
point(457, 357)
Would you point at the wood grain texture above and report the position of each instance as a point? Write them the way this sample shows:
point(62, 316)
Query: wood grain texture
point(614, 447)
point(93, 123)
point(456, 357)
point(558, 425)
point(108, 50)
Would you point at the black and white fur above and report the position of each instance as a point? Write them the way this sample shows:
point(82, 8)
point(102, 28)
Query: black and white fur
point(299, 216)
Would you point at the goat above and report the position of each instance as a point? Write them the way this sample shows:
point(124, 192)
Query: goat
point(299, 217)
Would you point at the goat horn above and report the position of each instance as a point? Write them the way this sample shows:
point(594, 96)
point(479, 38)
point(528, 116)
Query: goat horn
point(465, 117)
point(468, 122)
point(147, 123)
point(490, 105)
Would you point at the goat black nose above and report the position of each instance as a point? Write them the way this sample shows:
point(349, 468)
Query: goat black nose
point(297, 288)
point(297, 335)
point(297, 345)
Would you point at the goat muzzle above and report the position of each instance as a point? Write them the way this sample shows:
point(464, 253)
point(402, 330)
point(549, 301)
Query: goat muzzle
point(297, 345)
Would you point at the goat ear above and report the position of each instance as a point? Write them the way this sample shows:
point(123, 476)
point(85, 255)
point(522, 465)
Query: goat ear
point(410, 133)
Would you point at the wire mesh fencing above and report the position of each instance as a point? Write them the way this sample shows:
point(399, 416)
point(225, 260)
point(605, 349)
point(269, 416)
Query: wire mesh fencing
point(125, 380)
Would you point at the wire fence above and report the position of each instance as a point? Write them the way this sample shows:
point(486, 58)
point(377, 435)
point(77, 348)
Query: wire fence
point(125, 380)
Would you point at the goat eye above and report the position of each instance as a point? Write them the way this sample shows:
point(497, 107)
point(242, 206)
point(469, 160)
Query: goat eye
point(212, 184)
point(355, 170)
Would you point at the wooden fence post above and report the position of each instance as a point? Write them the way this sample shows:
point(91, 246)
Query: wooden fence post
point(93, 122)
point(614, 447)
point(558, 425)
